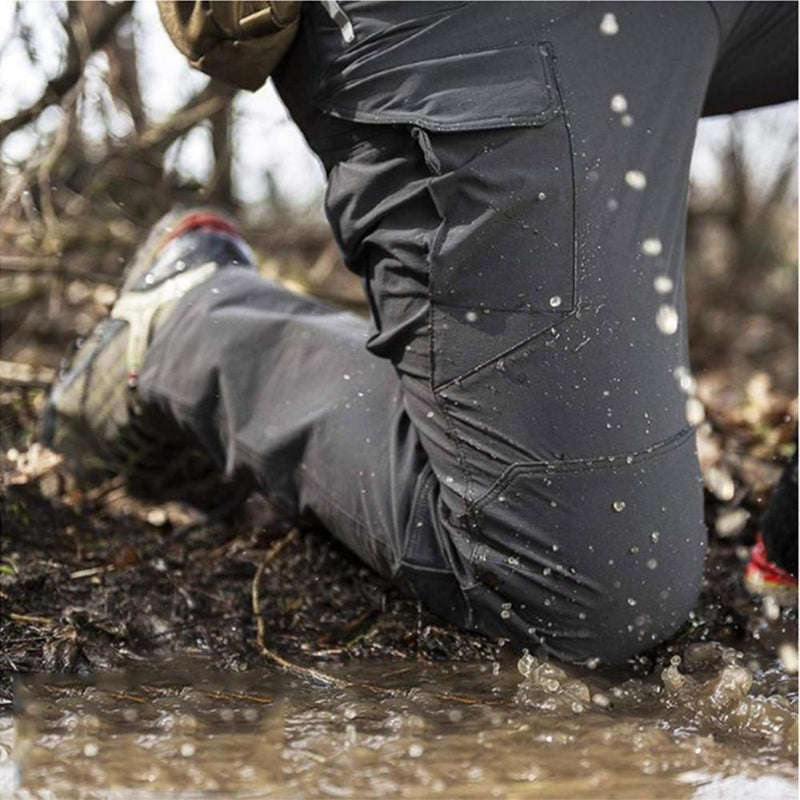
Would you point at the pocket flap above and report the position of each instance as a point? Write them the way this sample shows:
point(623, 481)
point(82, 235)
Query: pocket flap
point(496, 88)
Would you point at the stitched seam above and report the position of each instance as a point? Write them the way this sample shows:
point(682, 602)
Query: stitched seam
point(400, 117)
point(421, 121)
point(421, 568)
point(550, 63)
point(583, 465)
point(713, 7)
point(487, 451)
point(440, 401)
point(413, 516)
point(543, 309)
point(472, 370)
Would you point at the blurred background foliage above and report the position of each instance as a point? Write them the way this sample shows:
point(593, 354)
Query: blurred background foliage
point(104, 127)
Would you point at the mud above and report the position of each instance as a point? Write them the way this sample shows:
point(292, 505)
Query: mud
point(95, 581)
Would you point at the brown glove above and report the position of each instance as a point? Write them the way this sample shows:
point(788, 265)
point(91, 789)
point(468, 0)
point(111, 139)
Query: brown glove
point(236, 42)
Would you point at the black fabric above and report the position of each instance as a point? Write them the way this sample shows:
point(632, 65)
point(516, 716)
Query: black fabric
point(506, 438)
point(779, 526)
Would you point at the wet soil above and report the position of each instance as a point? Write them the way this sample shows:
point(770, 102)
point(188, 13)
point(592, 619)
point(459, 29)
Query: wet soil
point(99, 579)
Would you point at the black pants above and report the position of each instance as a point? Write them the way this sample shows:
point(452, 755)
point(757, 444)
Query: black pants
point(507, 439)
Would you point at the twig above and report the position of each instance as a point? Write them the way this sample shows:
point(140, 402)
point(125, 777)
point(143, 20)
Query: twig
point(27, 263)
point(304, 672)
point(92, 571)
point(36, 268)
point(101, 28)
point(16, 373)
point(315, 675)
point(31, 619)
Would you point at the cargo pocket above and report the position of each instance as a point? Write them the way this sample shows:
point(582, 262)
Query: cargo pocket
point(491, 131)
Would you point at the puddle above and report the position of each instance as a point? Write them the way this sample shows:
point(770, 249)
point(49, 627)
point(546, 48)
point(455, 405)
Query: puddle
point(716, 725)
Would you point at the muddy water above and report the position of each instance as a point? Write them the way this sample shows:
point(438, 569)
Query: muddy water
point(715, 724)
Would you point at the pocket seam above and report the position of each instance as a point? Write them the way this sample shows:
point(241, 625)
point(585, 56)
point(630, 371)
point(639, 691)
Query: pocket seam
point(556, 107)
point(544, 52)
point(572, 466)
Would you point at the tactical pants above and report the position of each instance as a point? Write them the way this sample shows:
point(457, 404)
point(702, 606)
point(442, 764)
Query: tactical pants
point(507, 438)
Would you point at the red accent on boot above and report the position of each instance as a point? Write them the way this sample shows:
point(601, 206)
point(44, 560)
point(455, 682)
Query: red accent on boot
point(205, 220)
point(764, 571)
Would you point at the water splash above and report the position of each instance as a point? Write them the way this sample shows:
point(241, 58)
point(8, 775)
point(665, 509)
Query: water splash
point(663, 284)
point(636, 179)
point(667, 320)
point(619, 103)
point(609, 25)
point(652, 246)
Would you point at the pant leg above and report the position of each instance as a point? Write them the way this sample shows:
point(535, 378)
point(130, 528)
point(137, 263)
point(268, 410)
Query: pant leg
point(757, 60)
point(510, 181)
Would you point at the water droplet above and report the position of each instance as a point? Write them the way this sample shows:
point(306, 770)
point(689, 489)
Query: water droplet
point(505, 613)
point(513, 560)
point(618, 505)
point(652, 563)
point(655, 536)
point(180, 266)
point(555, 301)
point(542, 196)
point(663, 284)
point(471, 316)
point(626, 120)
point(652, 246)
point(695, 411)
point(667, 320)
point(772, 609)
point(685, 380)
point(526, 664)
point(619, 104)
point(345, 377)
point(91, 749)
point(612, 204)
point(546, 571)
point(415, 750)
point(787, 653)
point(430, 415)
point(634, 550)
point(448, 479)
point(635, 179)
point(631, 601)
point(609, 25)
point(149, 279)
point(600, 699)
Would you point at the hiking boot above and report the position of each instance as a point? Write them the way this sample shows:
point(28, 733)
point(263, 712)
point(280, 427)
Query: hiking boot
point(94, 416)
point(772, 569)
point(764, 577)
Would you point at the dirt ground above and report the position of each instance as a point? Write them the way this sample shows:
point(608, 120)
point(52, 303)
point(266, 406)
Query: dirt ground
point(97, 579)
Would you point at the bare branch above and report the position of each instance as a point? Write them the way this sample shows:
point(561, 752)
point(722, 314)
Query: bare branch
point(99, 27)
